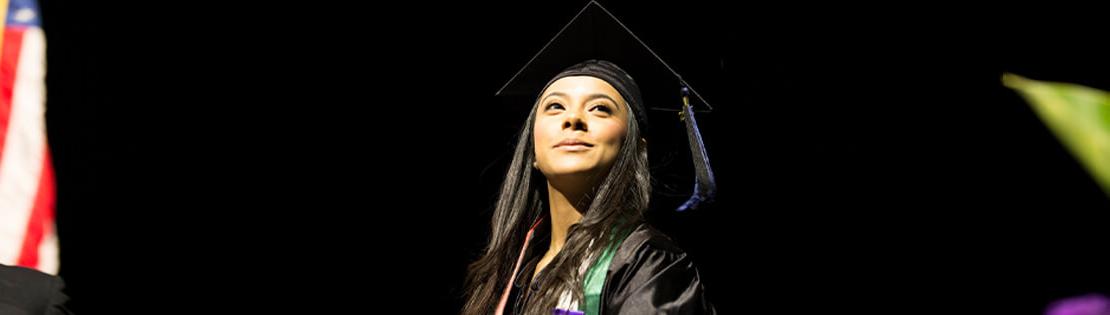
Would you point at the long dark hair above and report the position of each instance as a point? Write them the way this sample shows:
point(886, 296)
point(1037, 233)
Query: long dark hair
point(617, 205)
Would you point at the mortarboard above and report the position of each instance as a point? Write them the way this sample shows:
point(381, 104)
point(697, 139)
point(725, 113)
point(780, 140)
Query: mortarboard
point(596, 34)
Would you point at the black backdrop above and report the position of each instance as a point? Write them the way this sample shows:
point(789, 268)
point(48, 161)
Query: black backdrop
point(316, 158)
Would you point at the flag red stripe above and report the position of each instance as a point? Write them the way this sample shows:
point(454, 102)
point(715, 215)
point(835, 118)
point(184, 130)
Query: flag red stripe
point(42, 215)
point(9, 61)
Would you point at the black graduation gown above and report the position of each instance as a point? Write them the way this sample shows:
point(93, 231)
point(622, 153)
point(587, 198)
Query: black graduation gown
point(649, 274)
point(29, 291)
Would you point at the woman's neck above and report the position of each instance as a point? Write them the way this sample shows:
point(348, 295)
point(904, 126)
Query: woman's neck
point(566, 203)
point(566, 208)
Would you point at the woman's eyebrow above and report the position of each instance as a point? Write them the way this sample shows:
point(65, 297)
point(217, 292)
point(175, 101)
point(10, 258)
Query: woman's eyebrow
point(559, 94)
point(602, 95)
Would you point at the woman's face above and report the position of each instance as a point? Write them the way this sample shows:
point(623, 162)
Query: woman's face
point(580, 123)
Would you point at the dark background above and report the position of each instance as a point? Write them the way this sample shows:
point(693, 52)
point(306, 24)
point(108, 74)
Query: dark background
point(314, 158)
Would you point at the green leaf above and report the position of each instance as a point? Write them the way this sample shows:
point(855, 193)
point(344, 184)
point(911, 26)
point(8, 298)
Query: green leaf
point(1078, 115)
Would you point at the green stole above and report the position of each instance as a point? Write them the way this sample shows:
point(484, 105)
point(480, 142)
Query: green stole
point(595, 276)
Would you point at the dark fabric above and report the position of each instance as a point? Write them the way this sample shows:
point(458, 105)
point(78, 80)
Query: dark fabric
point(649, 274)
point(28, 291)
point(615, 76)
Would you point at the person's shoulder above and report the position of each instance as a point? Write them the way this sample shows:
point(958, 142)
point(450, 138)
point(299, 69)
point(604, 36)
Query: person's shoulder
point(644, 248)
point(651, 274)
point(647, 239)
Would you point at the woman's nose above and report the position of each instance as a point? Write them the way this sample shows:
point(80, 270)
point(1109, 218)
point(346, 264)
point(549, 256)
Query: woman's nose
point(574, 122)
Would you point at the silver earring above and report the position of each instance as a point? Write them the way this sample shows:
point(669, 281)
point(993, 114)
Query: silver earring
point(535, 164)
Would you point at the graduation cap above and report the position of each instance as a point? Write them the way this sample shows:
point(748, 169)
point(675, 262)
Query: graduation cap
point(596, 34)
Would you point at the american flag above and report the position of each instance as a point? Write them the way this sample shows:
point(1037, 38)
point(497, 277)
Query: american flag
point(27, 236)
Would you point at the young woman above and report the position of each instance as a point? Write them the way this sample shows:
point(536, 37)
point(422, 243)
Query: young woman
point(568, 235)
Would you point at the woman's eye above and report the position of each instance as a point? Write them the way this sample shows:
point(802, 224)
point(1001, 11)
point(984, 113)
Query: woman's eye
point(603, 108)
point(554, 106)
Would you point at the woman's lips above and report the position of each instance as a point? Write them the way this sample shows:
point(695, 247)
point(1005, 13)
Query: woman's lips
point(573, 145)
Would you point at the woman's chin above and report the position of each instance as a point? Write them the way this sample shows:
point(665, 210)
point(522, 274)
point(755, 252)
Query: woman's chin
point(572, 170)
